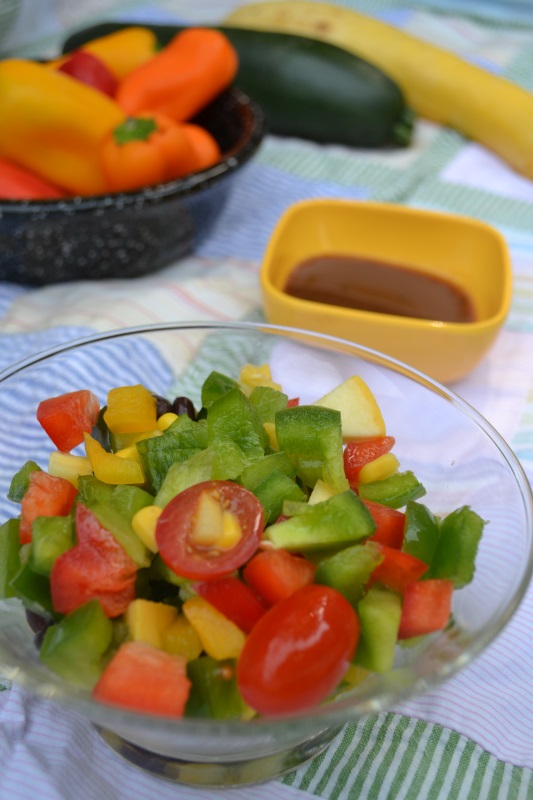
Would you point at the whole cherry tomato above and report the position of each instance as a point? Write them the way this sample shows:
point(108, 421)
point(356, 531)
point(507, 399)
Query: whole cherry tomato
point(298, 651)
point(175, 531)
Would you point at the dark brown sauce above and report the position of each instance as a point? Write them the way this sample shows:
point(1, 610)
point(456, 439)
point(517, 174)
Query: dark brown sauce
point(385, 288)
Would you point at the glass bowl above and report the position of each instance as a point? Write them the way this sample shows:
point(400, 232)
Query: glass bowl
point(452, 449)
point(128, 234)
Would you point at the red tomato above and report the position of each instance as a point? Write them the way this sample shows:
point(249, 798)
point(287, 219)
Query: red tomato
point(398, 569)
point(426, 607)
point(298, 652)
point(233, 599)
point(46, 496)
point(175, 527)
point(390, 524)
point(142, 678)
point(97, 567)
point(87, 68)
point(67, 417)
point(276, 574)
point(357, 454)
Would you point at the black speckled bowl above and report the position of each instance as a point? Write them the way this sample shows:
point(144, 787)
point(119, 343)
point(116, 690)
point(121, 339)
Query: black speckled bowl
point(125, 235)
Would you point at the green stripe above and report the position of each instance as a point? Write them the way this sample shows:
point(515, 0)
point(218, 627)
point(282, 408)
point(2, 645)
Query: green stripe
point(391, 757)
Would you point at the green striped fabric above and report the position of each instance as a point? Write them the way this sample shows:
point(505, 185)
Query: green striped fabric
point(392, 757)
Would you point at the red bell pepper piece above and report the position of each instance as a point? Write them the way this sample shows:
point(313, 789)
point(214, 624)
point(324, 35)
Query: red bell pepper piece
point(67, 417)
point(97, 567)
point(19, 183)
point(46, 496)
point(142, 678)
point(89, 69)
point(398, 569)
point(276, 574)
point(426, 607)
point(293, 402)
point(390, 524)
point(233, 599)
point(359, 453)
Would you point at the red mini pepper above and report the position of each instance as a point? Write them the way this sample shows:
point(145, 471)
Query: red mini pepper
point(18, 183)
point(87, 68)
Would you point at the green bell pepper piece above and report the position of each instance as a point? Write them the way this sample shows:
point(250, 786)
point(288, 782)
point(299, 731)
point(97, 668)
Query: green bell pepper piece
point(394, 491)
point(215, 385)
point(257, 472)
point(74, 648)
point(342, 519)
point(379, 613)
point(214, 691)
point(455, 554)
point(273, 491)
point(51, 536)
point(422, 532)
point(196, 469)
point(9, 556)
point(349, 569)
point(232, 417)
point(21, 480)
point(33, 589)
point(267, 401)
point(312, 438)
point(179, 442)
point(91, 490)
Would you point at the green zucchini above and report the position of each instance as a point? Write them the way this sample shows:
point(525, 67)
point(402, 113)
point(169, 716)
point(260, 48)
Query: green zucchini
point(307, 88)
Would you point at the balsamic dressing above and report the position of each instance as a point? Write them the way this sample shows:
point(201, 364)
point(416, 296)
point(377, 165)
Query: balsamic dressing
point(386, 288)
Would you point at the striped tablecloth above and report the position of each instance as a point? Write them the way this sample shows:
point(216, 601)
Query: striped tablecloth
point(473, 737)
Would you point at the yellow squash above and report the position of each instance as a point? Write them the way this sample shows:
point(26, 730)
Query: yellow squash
point(437, 84)
point(53, 125)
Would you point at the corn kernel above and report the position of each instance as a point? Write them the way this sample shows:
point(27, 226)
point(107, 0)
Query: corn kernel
point(166, 420)
point(68, 466)
point(181, 639)
point(144, 523)
point(270, 429)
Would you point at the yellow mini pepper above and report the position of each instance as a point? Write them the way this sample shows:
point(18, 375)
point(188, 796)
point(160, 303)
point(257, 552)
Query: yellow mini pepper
point(121, 51)
point(54, 125)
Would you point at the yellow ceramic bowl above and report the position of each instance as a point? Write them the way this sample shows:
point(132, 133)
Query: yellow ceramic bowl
point(464, 251)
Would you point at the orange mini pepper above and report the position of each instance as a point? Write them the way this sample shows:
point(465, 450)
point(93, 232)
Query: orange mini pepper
point(144, 150)
point(196, 65)
point(204, 144)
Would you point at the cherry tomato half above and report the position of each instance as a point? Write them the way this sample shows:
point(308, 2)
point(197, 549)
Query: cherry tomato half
point(359, 453)
point(298, 651)
point(175, 531)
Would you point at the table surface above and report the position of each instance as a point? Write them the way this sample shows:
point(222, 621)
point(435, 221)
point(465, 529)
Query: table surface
point(473, 737)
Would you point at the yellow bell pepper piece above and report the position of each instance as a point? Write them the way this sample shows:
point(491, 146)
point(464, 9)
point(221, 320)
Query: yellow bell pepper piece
point(130, 409)
point(68, 466)
point(251, 376)
point(379, 469)
point(181, 639)
point(147, 621)
point(110, 468)
point(54, 124)
point(220, 637)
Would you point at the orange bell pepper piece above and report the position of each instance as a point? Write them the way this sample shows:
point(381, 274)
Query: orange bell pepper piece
point(53, 125)
point(147, 149)
point(196, 65)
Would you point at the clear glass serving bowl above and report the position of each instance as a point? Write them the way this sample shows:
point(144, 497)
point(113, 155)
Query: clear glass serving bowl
point(450, 447)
